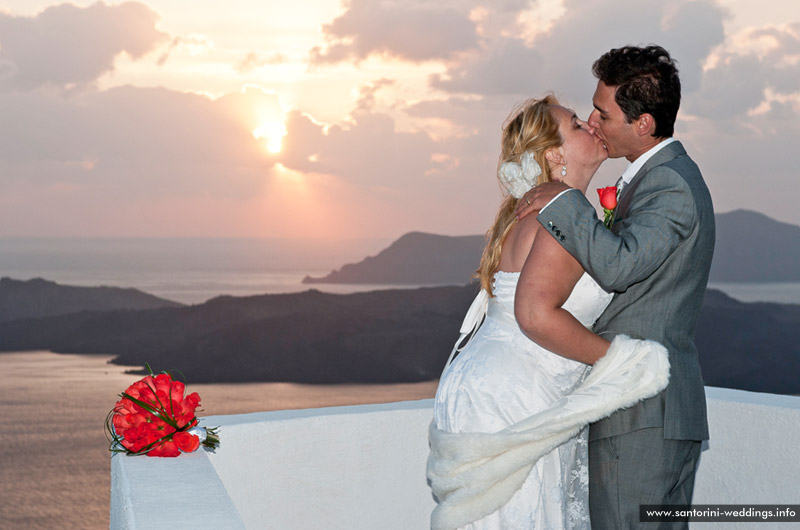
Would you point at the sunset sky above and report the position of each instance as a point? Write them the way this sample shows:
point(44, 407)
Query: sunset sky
point(362, 118)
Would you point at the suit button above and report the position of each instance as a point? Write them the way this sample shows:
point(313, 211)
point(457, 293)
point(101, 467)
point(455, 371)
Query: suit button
point(563, 238)
point(558, 232)
point(549, 223)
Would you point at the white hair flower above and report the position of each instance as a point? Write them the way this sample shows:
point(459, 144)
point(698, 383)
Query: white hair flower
point(519, 177)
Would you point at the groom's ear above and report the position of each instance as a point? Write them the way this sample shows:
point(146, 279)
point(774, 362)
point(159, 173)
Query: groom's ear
point(645, 125)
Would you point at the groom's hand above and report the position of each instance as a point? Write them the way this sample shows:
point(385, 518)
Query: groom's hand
point(538, 197)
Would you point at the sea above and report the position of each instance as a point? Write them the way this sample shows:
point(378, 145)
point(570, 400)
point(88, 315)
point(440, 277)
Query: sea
point(188, 270)
point(54, 459)
point(194, 270)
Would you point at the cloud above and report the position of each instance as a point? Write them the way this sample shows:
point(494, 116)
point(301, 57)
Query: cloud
point(508, 67)
point(152, 161)
point(253, 61)
point(368, 94)
point(403, 155)
point(560, 58)
point(786, 39)
point(155, 161)
point(412, 31)
point(729, 90)
point(194, 44)
point(690, 33)
point(133, 161)
point(752, 166)
point(126, 141)
point(745, 81)
point(252, 106)
point(747, 103)
point(68, 46)
point(370, 151)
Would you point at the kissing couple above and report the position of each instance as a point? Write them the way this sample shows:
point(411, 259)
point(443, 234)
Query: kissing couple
point(579, 397)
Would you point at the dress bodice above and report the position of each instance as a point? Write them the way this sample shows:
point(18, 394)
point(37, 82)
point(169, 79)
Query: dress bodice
point(586, 302)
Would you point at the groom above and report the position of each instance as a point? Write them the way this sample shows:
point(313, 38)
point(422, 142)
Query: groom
point(656, 258)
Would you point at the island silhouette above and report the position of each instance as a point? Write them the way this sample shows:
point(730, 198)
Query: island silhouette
point(391, 335)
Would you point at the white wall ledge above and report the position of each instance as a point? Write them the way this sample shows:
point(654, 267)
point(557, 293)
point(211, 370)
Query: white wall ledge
point(363, 467)
point(169, 493)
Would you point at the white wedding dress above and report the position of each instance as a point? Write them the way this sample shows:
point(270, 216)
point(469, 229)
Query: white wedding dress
point(500, 378)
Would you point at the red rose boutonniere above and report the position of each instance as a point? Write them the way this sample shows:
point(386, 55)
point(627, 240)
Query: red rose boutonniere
point(608, 200)
point(155, 418)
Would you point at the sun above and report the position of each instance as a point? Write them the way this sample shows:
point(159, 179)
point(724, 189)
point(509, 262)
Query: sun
point(273, 132)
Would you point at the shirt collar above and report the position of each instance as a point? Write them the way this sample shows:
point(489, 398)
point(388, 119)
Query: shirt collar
point(637, 164)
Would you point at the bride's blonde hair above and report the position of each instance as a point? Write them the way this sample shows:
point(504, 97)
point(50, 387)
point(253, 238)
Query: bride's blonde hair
point(530, 128)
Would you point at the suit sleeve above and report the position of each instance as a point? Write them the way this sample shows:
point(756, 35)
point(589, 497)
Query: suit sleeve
point(662, 214)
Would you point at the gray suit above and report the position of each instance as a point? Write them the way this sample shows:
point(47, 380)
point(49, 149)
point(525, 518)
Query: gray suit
point(656, 259)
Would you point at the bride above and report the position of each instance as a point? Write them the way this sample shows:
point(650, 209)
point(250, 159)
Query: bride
point(508, 438)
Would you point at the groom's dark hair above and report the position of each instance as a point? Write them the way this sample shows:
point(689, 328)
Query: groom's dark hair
point(647, 81)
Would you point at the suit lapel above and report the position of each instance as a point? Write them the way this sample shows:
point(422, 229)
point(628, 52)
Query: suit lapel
point(673, 150)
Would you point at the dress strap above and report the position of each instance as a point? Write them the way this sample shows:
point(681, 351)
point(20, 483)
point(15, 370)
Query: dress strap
point(472, 321)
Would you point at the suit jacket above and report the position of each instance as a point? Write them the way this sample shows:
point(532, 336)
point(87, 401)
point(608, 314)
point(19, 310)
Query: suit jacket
point(656, 259)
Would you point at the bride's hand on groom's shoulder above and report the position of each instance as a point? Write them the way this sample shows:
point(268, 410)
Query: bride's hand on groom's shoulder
point(538, 197)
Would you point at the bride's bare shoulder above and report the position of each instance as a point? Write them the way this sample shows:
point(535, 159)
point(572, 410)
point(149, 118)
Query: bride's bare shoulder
point(518, 244)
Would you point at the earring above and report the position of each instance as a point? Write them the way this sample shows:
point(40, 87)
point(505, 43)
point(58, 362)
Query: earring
point(563, 171)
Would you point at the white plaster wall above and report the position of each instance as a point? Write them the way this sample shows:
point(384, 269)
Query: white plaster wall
point(169, 493)
point(753, 455)
point(351, 468)
point(363, 467)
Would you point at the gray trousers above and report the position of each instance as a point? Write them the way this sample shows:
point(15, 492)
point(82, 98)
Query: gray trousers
point(635, 468)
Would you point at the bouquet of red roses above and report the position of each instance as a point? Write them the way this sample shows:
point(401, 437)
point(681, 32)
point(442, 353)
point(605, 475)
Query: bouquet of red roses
point(155, 418)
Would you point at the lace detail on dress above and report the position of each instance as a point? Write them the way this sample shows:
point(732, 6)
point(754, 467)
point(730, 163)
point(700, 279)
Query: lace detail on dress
point(577, 487)
point(500, 378)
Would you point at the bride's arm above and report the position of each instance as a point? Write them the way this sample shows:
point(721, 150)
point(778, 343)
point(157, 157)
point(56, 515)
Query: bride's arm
point(546, 281)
